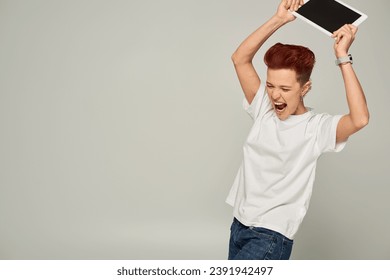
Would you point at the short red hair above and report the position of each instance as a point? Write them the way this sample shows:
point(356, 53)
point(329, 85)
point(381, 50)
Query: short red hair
point(297, 58)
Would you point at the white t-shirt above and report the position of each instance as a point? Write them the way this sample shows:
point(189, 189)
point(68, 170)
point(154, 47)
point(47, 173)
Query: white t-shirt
point(274, 183)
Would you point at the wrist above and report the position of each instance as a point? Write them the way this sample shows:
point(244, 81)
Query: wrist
point(347, 59)
point(281, 19)
point(341, 54)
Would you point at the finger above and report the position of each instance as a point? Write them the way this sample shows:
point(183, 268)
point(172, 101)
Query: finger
point(349, 31)
point(284, 3)
point(353, 28)
point(293, 5)
point(296, 4)
point(288, 4)
point(335, 34)
point(345, 28)
point(340, 35)
point(341, 32)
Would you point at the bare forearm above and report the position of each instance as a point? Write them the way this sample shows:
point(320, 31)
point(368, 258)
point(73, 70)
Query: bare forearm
point(357, 103)
point(243, 56)
point(250, 46)
point(358, 115)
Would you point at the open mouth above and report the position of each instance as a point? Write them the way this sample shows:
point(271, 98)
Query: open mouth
point(279, 107)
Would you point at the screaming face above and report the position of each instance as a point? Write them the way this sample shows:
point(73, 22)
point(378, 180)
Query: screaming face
point(285, 92)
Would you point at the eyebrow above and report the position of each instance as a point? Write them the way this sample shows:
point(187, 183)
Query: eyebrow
point(282, 86)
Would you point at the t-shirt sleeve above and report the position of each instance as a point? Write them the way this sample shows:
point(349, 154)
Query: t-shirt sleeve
point(326, 134)
point(259, 105)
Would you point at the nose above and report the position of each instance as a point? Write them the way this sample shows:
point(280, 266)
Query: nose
point(275, 94)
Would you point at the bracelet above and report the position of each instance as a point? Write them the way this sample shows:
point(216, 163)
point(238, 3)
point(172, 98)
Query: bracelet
point(343, 60)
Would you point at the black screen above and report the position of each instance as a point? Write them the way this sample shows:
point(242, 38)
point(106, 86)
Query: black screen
point(328, 14)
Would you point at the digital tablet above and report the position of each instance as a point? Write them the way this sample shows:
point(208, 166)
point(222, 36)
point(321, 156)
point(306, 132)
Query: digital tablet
point(329, 15)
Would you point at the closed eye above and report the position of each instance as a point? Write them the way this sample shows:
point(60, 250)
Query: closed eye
point(284, 89)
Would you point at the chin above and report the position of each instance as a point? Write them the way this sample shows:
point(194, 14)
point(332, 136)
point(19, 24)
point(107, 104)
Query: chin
point(283, 117)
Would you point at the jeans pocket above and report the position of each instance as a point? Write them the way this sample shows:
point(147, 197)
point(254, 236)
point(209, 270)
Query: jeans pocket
point(262, 232)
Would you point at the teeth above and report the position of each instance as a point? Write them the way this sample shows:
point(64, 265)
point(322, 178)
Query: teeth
point(280, 106)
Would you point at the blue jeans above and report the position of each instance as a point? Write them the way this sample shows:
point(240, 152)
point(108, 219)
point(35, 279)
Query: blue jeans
point(256, 243)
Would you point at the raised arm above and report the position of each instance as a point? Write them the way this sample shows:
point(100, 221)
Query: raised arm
point(358, 111)
point(243, 56)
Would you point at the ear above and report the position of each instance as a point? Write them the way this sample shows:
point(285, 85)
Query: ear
point(306, 88)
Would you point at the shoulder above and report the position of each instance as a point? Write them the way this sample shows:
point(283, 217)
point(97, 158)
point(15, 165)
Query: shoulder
point(322, 118)
point(322, 123)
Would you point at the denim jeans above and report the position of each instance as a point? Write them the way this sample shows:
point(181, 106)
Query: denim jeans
point(256, 243)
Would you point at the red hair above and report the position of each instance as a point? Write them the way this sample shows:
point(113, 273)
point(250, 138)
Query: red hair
point(297, 58)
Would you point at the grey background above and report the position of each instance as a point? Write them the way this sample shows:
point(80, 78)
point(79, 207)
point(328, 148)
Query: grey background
point(121, 130)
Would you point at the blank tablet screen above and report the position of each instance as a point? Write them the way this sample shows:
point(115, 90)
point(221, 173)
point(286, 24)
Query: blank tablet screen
point(328, 14)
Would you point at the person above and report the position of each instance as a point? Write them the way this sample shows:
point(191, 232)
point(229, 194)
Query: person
point(271, 192)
